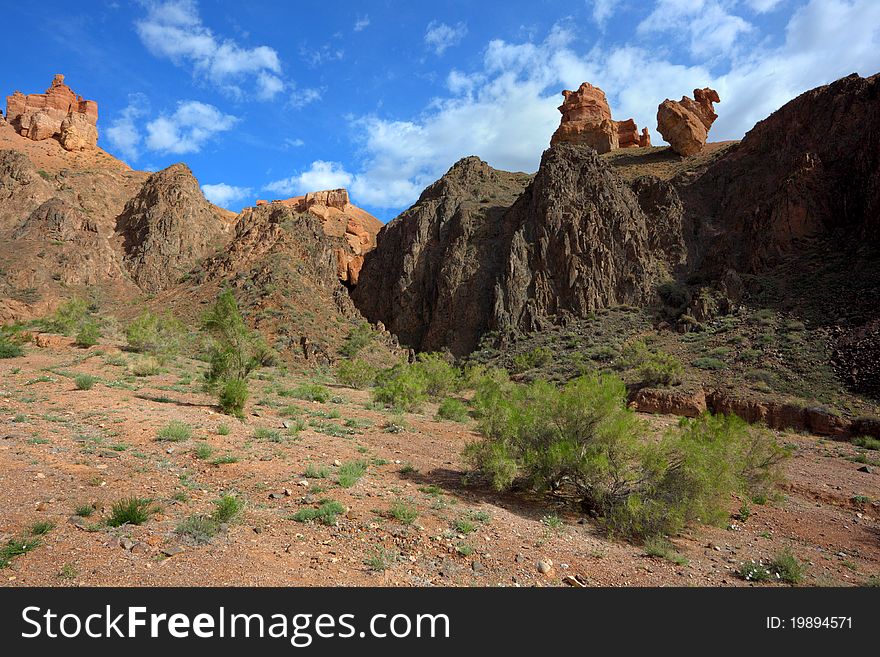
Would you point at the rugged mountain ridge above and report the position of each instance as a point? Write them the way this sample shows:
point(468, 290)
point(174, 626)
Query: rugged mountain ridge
point(482, 250)
point(168, 226)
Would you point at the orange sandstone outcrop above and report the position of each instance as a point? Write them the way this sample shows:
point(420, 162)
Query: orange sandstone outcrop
point(586, 119)
point(340, 219)
point(685, 124)
point(57, 113)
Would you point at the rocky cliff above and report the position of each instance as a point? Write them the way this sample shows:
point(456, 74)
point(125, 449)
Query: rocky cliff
point(488, 250)
point(340, 218)
point(167, 227)
point(58, 113)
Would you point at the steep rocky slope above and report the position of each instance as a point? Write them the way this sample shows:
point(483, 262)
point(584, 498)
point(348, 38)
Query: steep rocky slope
point(431, 279)
point(168, 226)
point(483, 250)
point(283, 268)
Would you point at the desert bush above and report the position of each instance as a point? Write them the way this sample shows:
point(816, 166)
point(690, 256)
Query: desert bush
point(583, 439)
point(439, 375)
point(312, 392)
point(708, 363)
point(867, 442)
point(145, 366)
point(326, 513)
point(84, 381)
point(350, 472)
point(401, 387)
point(88, 334)
point(654, 367)
point(161, 336)
point(452, 409)
point(232, 397)
point(537, 357)
point(358, 338)
point(9, 349)
point(356, 373)
point(407, 386)
point(234, 352)
point(68, 317)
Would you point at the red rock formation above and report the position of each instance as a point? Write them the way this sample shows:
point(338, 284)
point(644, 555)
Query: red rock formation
point(586, 119)
point(685, 124)
point(645, 139)
point(340, 219)
point(627, 134)
point(57, 113)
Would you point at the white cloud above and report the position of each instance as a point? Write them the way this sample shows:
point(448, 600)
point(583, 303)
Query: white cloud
point(763, 6)
point(123, 133)
point(174, 29)
point(712, 30)
point(224, 195)
point(299, 98)
point(320, 176)
point(294, 143)
point(440, 36)
point(361, 23)
point(188, 128)
point(326, 54)
point(603, 10)
point(505, 111)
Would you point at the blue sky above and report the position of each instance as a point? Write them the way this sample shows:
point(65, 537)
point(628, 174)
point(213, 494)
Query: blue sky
point(269, 99)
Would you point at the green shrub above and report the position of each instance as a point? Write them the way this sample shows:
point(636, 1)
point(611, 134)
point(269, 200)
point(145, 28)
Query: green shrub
point(538, 357)
point(174, 432)
point(161, 336)
point(653, 366)
point(452, 409)
point(403, 512)
point(358, 338)
point(264, 433)
point(89, 333)
point(401, 387)
point(234, 352)
point(223, 430)
point(783, 568)
point(312, 392)
point(326, 513)
point(356, 373)
point(85, 381)
point(129, 511)
point(316, 472)
point(867, 442)
point(203, 451)
point(68, 317)
point(233, 396)
point(674, 295)
point(9, 349)
point(227, 508)
point(582, 438)
point(661, 369)
point(787, 567)
point(438, 376)
point(708, 363)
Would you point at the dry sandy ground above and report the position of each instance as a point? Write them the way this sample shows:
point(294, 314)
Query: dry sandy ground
point(61, 448)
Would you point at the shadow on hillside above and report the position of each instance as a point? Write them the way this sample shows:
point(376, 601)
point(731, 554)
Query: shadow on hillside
point(161, 399)
point(524, 504)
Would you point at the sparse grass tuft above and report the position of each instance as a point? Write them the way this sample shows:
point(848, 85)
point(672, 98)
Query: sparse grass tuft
point(350, 472)
point(174, 432)
point(129, 511)
point(85, 381)
point(404, 512)
point(326, 513)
